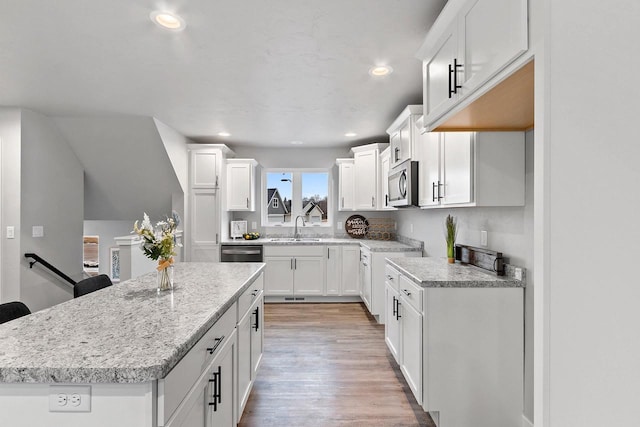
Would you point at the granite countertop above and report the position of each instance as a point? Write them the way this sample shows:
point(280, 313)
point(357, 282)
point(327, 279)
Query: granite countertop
point(438, 273)
point(372, 245)
point(126, 333)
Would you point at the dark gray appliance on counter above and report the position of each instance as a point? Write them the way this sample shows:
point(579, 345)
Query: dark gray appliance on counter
point(240, 253)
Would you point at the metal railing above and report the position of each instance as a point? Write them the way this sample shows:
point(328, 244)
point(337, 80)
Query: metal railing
point(37, 258)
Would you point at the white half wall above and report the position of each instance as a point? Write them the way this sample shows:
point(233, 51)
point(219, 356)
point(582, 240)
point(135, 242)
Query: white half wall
point(52, 196)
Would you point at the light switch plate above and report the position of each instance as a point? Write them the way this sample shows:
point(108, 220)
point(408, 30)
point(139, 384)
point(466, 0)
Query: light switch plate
point(11, 232)
point(37, 231)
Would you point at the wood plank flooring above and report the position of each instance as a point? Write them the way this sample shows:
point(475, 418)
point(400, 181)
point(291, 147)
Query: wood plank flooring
point(327, 365)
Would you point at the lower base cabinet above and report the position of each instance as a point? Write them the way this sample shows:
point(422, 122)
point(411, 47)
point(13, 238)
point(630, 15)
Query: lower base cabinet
point(210, 386)
point(460, 349)
point(211, 401)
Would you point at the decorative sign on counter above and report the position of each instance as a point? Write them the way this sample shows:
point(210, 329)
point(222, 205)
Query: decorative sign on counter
point(356, 226)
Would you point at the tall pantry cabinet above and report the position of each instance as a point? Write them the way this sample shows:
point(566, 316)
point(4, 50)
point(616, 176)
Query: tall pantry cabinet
point(206, 178)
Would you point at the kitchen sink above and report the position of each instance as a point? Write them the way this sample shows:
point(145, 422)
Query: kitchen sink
point(307, 239)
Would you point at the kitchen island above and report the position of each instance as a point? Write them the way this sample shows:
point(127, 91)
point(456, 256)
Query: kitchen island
point(457, 332)
point(108, 358)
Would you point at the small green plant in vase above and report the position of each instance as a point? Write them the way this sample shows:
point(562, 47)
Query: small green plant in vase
point(451, 226)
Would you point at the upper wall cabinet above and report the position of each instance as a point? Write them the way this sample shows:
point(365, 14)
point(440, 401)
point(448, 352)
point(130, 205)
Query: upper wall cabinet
point(360, 180)
point(471, 169)
point(346, 177)
point(205, 167)
point(474, 40)
point(241, 184)
point(402, 135)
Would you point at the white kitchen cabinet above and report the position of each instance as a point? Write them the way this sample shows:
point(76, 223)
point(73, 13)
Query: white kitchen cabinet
point(294, 272)
point(222, 389)
point(439, 91)
point(250, 340)
point(346, 184)
point(471, 169)
point(205, 166)
point(278, 275)
point(350, 270)
point(403, 134)
point(473, 41)
point(186, 394)
point(409, 308)
point(308, 275)
point(202, 233)
point(334, 270)
point(240, 185)
point(372, 279)
point(366, 179)
point(392, 323)
point(366, 283)
point(385, 166)
point(453, 340)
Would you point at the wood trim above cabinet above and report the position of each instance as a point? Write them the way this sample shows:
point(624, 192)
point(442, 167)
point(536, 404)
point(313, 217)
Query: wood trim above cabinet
point(509, 106)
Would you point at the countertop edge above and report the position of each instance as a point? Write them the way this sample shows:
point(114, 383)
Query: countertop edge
point(501, 282)
point(122, 375)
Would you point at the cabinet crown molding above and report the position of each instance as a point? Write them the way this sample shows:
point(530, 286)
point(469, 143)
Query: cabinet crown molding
point(410, 110)
point(378, 145)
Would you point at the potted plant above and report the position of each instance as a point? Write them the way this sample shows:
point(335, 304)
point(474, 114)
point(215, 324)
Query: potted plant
point(451, 226)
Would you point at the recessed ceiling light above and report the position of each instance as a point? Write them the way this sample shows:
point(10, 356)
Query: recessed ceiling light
point(350, 134)
point(380, 71)
point(168, 20)
point(296, 142)
point(225, 134)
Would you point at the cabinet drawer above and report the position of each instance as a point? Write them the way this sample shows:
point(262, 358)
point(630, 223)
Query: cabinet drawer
point(410, 292)
point(391, 276)
point(175, 386)
point(294, 250)
point(249, 296)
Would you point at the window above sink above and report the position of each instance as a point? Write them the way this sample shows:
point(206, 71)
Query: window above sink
point(291, 193)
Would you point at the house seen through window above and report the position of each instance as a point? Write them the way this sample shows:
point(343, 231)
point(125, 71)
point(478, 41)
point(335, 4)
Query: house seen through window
point(292, 193)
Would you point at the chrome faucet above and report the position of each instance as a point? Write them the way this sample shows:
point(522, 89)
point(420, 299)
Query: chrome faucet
point(296, 234)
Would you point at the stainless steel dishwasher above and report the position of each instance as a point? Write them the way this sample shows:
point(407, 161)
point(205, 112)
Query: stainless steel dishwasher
point(241, 253)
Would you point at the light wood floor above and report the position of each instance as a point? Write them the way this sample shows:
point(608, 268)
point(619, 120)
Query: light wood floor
point(327, 365)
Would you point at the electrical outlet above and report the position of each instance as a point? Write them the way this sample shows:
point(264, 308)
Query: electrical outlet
point(483, 238)
point(410, 228)
point(69, 398)
point(254, 225)
point(340, 225)
point(517, 272)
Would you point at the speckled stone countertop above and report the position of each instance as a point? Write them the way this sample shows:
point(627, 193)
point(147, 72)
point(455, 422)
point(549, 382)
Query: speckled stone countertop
point(437, 273)
point(126, 333)
point(372, 245)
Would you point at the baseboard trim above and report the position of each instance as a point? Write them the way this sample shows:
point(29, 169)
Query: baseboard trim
point(526, 422)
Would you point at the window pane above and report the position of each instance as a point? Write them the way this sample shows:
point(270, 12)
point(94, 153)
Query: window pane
point(315, 193)
point(279, 188)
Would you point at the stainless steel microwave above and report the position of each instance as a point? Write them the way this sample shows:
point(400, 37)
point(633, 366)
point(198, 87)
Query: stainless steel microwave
point(403, 185)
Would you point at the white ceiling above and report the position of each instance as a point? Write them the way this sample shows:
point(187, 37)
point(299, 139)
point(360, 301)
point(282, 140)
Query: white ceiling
point(268, 72)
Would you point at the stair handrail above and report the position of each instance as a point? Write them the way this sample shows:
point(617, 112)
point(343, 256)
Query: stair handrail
point(37, 258)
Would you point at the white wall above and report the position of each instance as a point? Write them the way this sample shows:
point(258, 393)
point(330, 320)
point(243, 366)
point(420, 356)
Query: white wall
point(593, 203)
point(510, 231)
point(52, 189)
point(127, 168)
point(10, 192)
